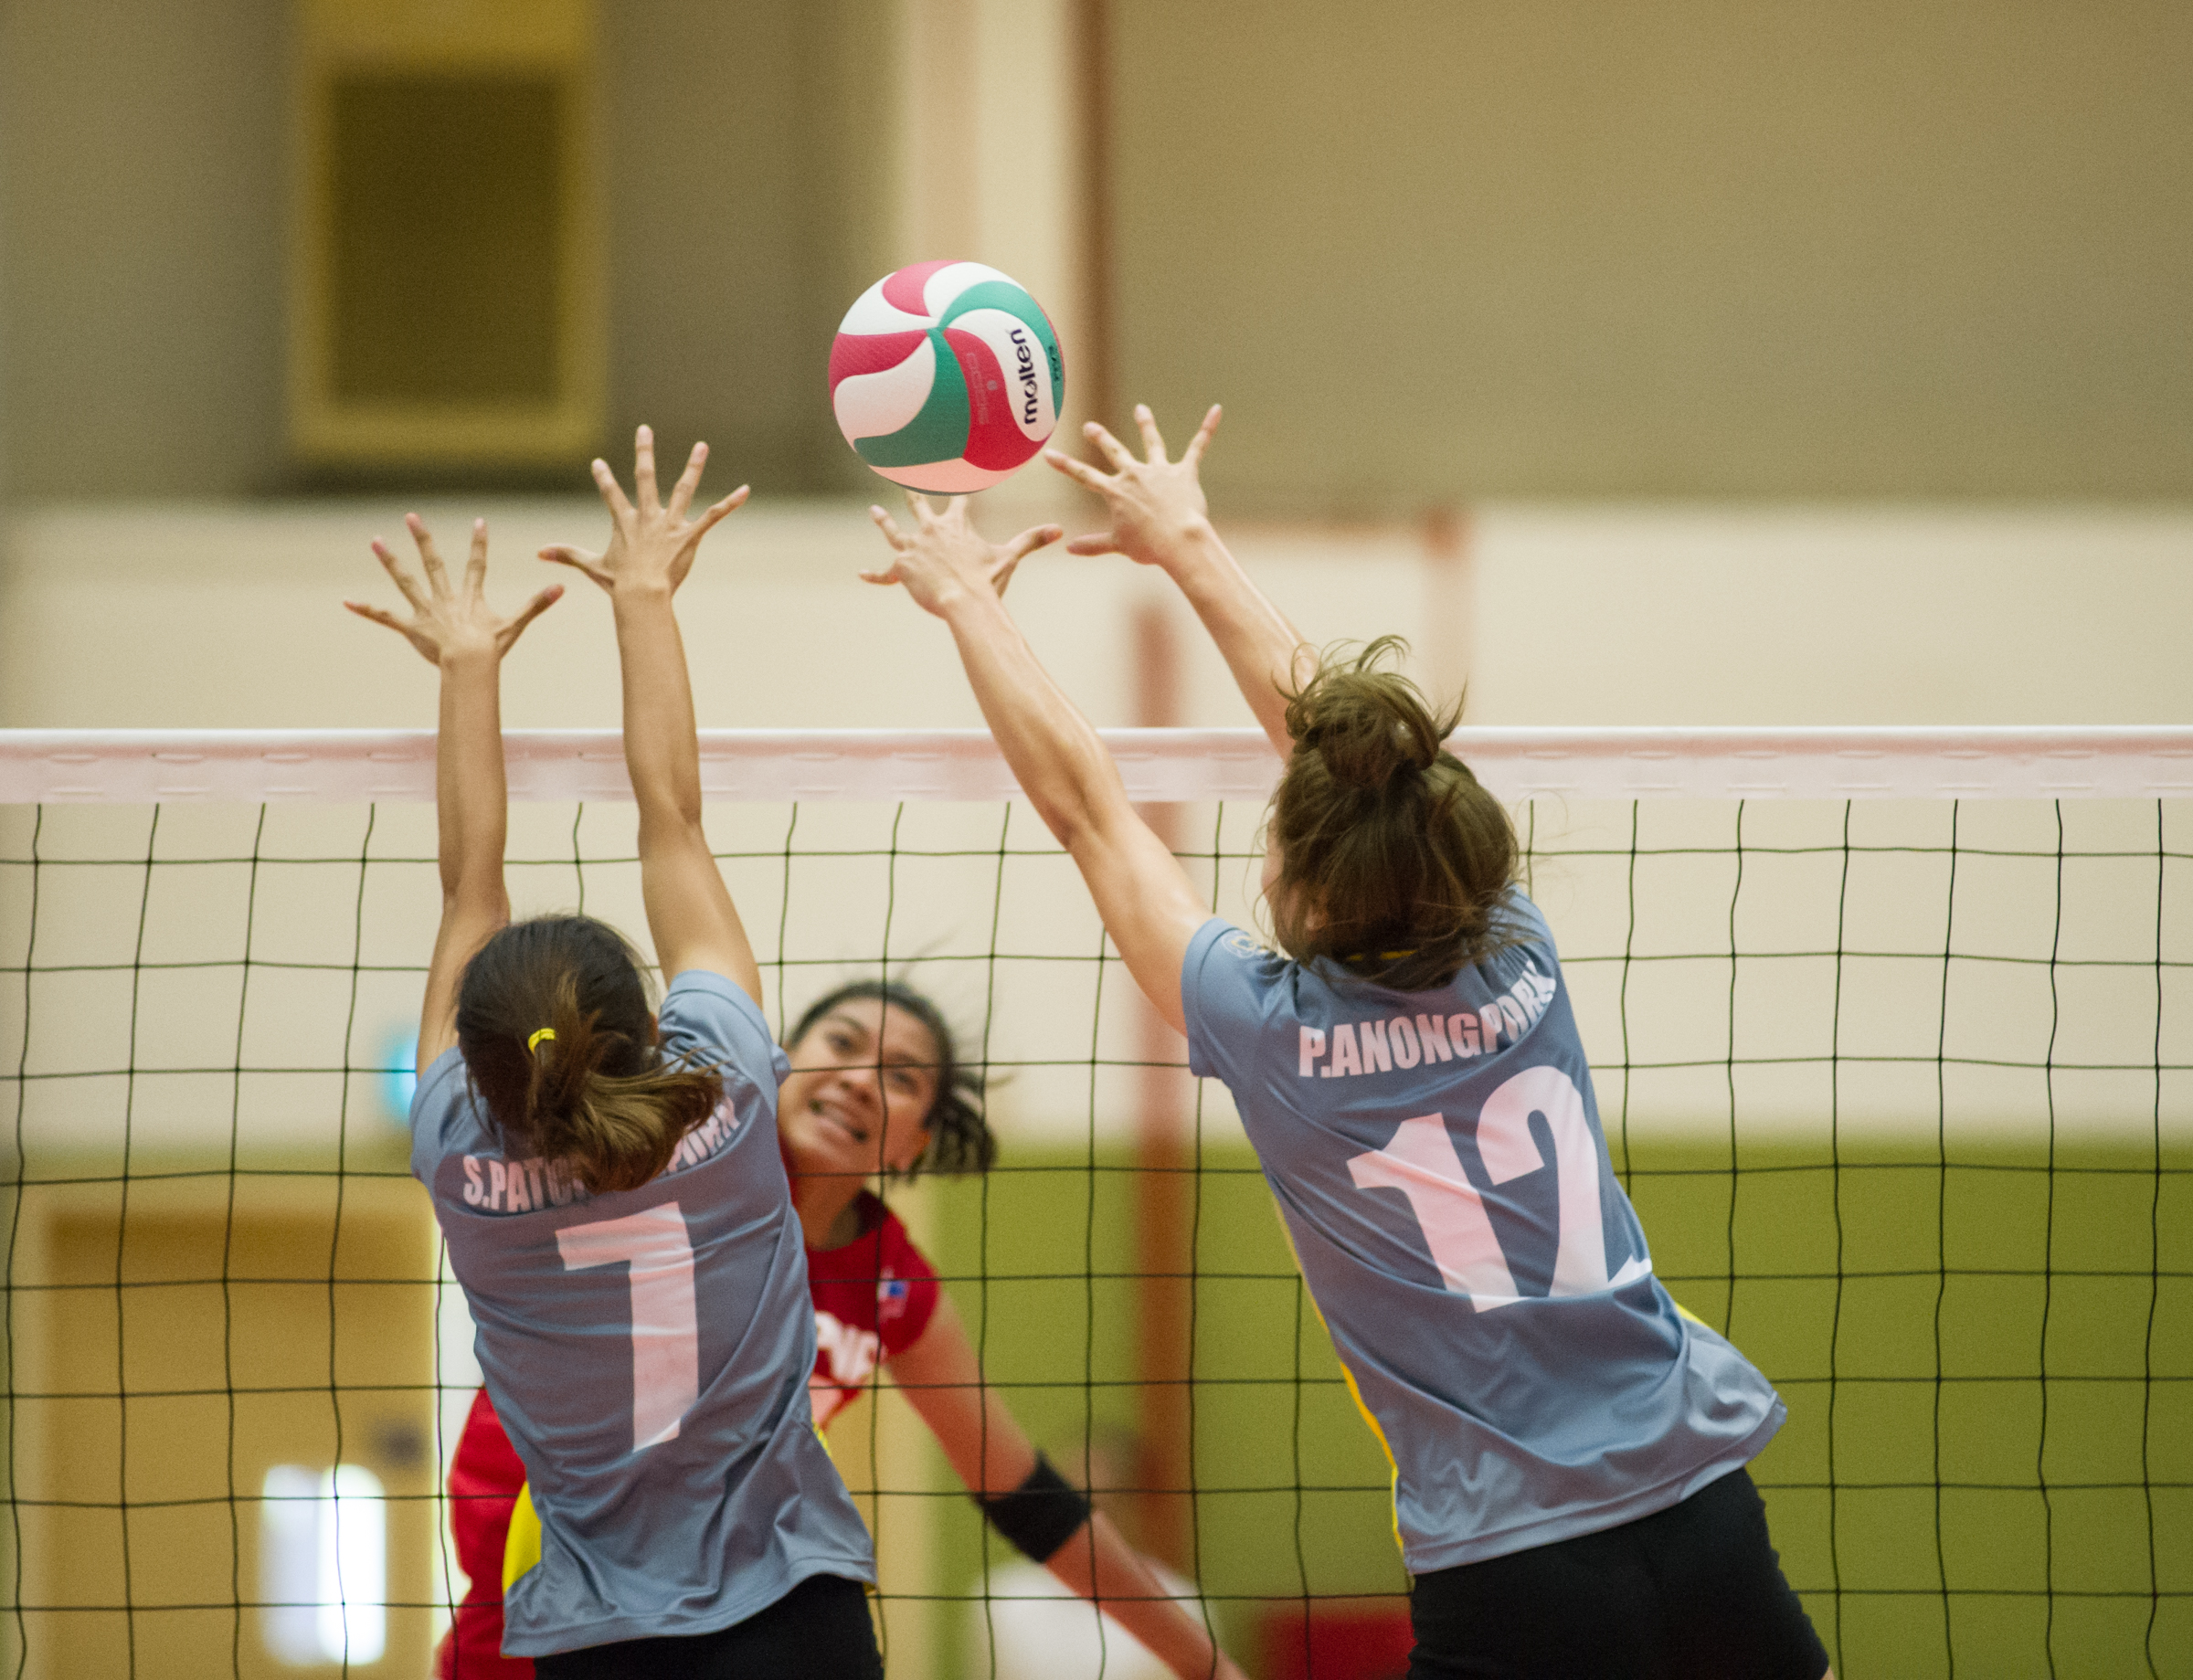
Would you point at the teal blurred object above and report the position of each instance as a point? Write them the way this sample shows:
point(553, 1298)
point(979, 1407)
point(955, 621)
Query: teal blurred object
point(400, 1075)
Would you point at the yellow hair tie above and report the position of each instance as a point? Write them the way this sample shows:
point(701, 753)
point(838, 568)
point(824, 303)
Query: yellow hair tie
point(534, 1042)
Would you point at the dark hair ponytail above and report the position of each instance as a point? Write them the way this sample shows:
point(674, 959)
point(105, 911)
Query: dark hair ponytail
point(960, 1140)
point(1393, 857)
point(558, 1034)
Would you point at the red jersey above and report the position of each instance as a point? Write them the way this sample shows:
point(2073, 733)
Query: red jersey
point(873, 1298)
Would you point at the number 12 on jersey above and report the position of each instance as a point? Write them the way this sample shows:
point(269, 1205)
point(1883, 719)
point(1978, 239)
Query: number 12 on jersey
point(1421, 1162)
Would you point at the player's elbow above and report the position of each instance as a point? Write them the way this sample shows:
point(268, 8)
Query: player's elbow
point(662, 795)
point(671, 827)
point(476, 891)
point(1069, 824)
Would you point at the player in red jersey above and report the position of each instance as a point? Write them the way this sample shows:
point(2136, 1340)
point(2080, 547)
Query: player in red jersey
point(876, 1086)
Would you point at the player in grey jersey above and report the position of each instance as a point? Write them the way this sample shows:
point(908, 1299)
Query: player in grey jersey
point(608, 1183)
point(1568, 1447)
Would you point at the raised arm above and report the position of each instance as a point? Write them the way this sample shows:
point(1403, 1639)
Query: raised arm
point(1159, 518)
point(1141, 890)
point(942, 1380)
point(456, 631)
point(651, 548)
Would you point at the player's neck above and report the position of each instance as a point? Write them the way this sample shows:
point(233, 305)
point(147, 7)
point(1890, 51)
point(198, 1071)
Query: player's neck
point(827, 1206)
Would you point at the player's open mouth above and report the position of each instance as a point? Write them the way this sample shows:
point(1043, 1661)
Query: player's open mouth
point(837, 1123)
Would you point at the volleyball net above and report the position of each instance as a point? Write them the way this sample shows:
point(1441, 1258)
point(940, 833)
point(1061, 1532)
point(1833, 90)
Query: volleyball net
point(1892, 1038)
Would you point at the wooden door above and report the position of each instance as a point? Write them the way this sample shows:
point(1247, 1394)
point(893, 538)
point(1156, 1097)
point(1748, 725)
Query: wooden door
point(185, 1351)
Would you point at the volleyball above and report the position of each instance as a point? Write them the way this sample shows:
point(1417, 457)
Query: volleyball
point(946, 376)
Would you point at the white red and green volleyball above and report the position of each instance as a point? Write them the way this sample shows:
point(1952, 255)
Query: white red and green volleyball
point(946, 376)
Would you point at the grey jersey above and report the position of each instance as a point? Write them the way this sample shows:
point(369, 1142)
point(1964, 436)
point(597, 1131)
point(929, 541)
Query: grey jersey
point(1438, 1159)
point(648, 1351)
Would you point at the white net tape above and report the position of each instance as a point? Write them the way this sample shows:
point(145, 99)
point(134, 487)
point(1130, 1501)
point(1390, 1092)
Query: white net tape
point(144, 765)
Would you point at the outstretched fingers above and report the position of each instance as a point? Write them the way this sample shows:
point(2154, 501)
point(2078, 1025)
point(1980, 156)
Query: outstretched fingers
point(1153, 445)
point(475, 562)
point(1202, 440)
point(612, 493)
point(578, 560)
point(898, 541)
point(416, 632)
point(689, 480)
point(1113, 449)
point(378, 614)
point(1080, 471)
point(533, 609)
point(892, 533)
point(926, 511)
point(402, 578)
point(1019, 549)
point(716, 511)
point(643, 470)
point(1032, 539)
point(429, 556)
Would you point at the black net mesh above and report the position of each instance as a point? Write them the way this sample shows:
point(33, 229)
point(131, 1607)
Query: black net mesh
point(1900, 1089)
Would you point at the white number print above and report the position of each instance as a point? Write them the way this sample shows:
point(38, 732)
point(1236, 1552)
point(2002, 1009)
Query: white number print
point(1421, 1162)
point(667, 1333)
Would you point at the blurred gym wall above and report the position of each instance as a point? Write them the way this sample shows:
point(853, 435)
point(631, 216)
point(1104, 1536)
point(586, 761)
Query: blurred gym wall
point(143, 160)
point(1428, 250)
point(1432, 249)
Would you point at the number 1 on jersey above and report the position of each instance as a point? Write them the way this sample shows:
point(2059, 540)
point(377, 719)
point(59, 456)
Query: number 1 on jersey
point(1421, 1162)
point(666, 1330)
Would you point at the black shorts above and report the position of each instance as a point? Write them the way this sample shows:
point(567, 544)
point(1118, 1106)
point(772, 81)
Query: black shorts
point(818, 1630)
point(1693, 1592)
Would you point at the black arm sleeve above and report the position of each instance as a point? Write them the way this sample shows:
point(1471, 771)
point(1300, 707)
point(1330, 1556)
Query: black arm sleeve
point(1039, 1515)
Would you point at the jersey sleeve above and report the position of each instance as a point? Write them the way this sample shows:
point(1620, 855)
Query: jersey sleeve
point(708, 1018)
point(1227, 982)
point(434, 1107)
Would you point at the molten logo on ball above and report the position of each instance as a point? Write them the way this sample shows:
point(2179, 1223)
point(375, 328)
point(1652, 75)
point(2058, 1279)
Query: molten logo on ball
point(946, 376)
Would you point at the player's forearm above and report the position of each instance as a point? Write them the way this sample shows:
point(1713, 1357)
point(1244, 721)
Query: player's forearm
point(1098, 1564)
point(662, 746)
point(1054, 752)
point(472, 810)
point(1266, 653)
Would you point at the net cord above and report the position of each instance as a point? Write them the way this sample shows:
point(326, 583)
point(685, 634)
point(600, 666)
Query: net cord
point(121, 1227)
point(15, 1232)
point(236, 1109)
point(1949, 943)
point(2047, 1262)
point(2155, 1277)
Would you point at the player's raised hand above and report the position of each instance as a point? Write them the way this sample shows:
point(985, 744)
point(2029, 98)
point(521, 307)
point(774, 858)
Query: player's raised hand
point(651, 541)
point(448, 620)
point(944, 556)
point(1155, 503)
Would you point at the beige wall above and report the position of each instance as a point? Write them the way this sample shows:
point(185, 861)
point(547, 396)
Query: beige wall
point(1443, 250)
point(211, 616)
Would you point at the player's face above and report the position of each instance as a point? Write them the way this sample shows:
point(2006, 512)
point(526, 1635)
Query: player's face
point(864, 1081)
